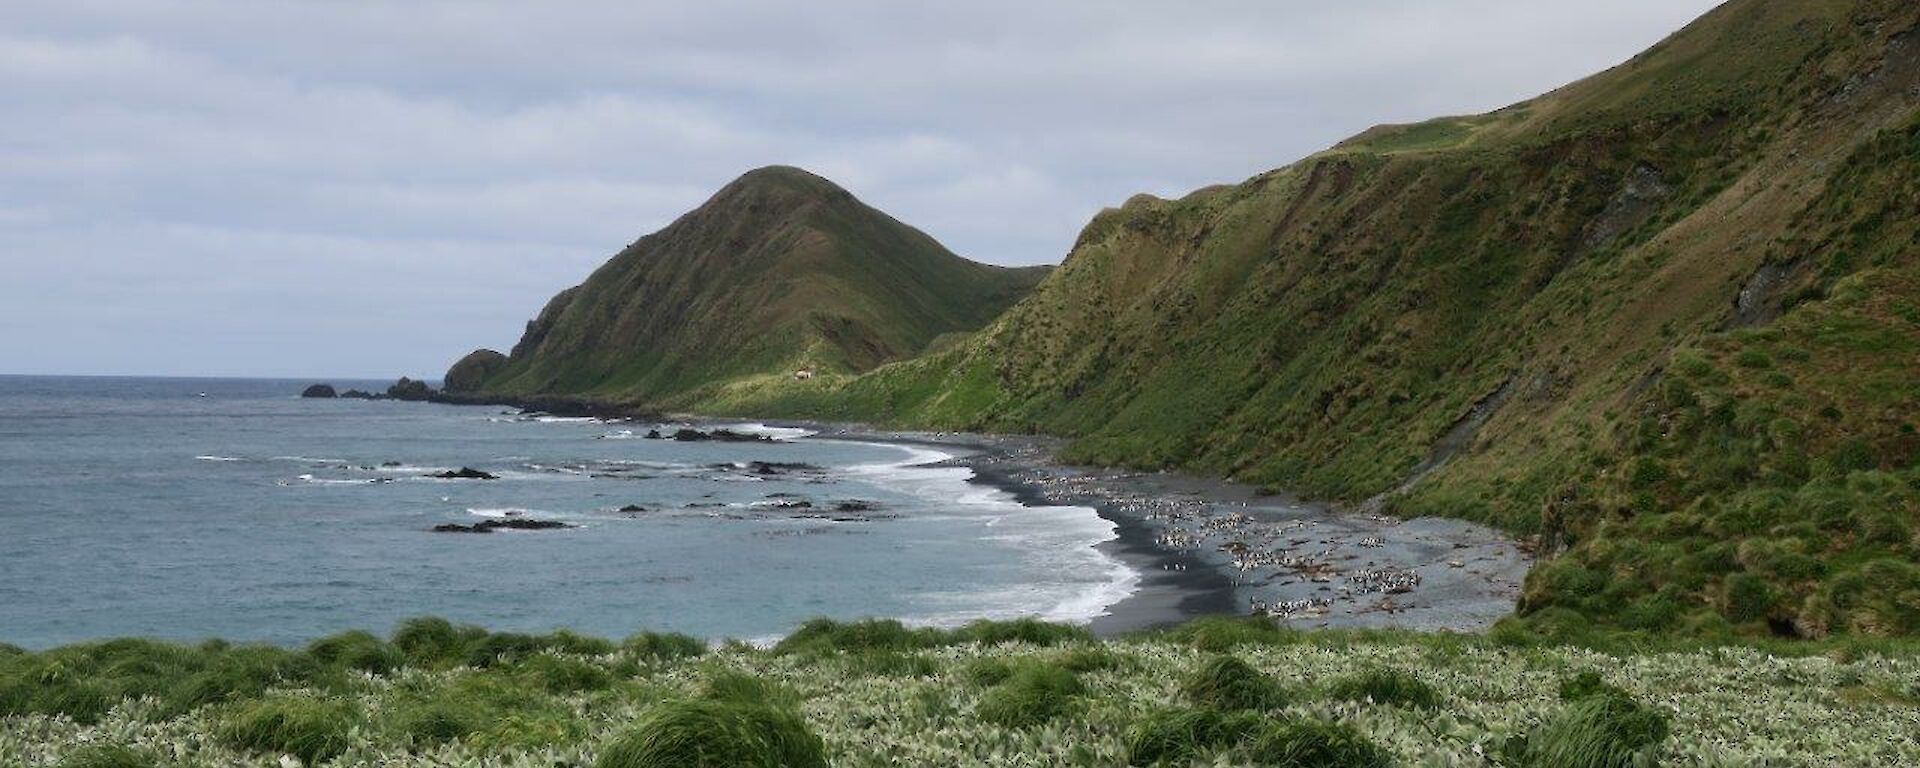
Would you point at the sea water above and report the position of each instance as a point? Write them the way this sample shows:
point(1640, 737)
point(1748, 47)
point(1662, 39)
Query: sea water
point(194, 508)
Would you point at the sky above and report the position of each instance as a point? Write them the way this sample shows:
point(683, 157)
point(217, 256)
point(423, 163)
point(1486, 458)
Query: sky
point(372, 189)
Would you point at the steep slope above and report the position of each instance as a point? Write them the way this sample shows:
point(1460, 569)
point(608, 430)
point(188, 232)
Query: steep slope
point(781, 271)
point(1607, 316)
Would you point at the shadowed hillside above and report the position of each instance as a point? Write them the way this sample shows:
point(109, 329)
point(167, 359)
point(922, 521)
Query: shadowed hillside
point(781, 271)
point(1666, 319)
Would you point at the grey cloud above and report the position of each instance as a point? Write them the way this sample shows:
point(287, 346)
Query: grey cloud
point(223, 186)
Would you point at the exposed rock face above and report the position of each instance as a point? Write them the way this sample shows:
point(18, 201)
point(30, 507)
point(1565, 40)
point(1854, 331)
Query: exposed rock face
point(472, 371)
point(319, 390)
point(359, 394)
point(409, 389)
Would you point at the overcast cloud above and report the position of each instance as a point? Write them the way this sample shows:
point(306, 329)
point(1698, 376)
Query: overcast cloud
point(316, 189)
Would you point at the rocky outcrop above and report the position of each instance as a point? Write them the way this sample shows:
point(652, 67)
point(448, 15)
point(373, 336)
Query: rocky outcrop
point(319, 391)
point(508, 524)
point(409, 389)
point(472, 371)
point(719, 435)
point(465, 473)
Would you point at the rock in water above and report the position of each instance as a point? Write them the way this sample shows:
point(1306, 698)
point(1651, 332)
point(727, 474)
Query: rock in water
point(512, 524)
point(319, 390)
point(471, 372)
point(722, 435)
point(465, 473)
point(409, 389)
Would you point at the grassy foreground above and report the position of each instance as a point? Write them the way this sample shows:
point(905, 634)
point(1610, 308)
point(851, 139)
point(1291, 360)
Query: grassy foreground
point(1216, 692)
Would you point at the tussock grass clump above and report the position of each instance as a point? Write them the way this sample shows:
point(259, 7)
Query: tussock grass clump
point(310, 729)
point(1597, 731)
point(819, 636)
point(1587, 685)
point(1093, 659)
point(715, 734)
point(1181, 736)
point(663, 646)
point(504, 648)
point(84, 682)
point(1031, 696)
point(1391, 687)
point(1218, 634)
point(1226, 682)
point(108, 756)
point(562, 674)
point(489, 710)
point(570, 642)
point(892, 664)
point(357, 650)
point(1316, 744)
point(988, 672)
point(431, 641)
point(1027, 630)
point(427, 723)
point(238, 674)
point(52, 692)
point(742, 688)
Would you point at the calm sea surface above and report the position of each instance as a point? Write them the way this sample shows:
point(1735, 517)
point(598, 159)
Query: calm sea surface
point(133, 506)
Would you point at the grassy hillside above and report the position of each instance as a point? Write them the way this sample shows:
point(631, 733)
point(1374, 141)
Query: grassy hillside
point(1661, 318)
point(778, 272)
point(1023, 693)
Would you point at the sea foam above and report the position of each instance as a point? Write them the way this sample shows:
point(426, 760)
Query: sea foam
point(1058, 539)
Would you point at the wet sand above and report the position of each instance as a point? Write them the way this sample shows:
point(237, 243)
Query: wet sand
point(1210, 547)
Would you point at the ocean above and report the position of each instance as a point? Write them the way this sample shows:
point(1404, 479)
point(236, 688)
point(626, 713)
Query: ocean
point(194, 508)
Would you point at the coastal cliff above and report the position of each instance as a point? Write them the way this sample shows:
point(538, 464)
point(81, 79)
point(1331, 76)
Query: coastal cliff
point(1657, 319)
point(1662, 320)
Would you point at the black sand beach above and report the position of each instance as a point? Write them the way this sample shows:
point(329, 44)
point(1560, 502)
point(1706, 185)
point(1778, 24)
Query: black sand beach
point(1210, 547)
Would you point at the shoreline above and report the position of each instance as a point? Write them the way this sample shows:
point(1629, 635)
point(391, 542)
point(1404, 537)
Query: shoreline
point(1205, 546)
point(1208, 547)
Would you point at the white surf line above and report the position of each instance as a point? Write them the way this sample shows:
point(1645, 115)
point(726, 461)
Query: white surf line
point(952, 485)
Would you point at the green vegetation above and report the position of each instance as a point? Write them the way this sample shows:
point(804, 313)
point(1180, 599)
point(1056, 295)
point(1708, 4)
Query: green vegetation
point(1316, 744)
point(1031, 696)
point(1391, 687)
point(715, 734)
point(308, 728)
point(108, 756)
point(1601, 731)
point(780, 272)
point(1351, 699)
point(1178, 737)
point(1664, 322)
point(1227, 683)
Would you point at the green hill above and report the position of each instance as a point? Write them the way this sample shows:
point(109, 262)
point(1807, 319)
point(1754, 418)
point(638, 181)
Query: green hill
point(781, 271)
point(1665, 319)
